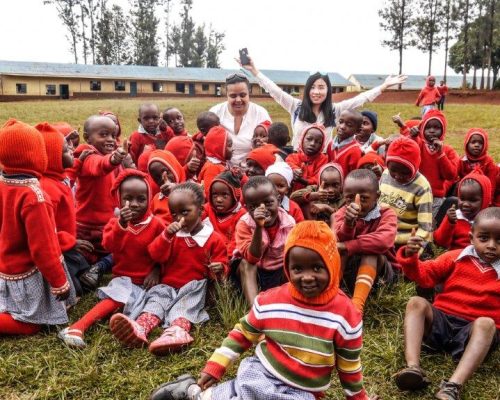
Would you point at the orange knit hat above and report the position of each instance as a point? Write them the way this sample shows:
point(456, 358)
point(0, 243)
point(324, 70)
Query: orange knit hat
point(54, 141)
point(316, 236)
point(22, 149)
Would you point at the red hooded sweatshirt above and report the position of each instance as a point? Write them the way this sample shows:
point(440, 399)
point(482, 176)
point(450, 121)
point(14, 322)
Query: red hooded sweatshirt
point(215, 152)
point(183, 148)
point(428, 95)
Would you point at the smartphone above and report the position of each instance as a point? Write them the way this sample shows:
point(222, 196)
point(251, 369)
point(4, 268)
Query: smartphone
point(244, 56)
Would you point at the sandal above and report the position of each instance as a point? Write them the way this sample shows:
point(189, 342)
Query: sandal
point(176, 390)
point(411, 378)
point(448, 391)
point(72, 338)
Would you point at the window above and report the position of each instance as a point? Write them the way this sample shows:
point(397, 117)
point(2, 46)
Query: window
point(205, 87)
point(157, 87)
point(21, 88)
point(95, 85)
point(180, 87)
point(296, 89)
point(119, 86)
point(50, 90)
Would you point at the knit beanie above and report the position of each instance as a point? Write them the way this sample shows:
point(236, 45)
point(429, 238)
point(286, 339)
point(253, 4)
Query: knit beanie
point(64, 128)
point(265, 155)
point(321, 128)
point(483, 181)
point(215, 143)
point(404, 151)
point(316, 236)
point(22, 149)
point(54, 141)
point(124, 174)
point(181, 147)
point(370, 158)
point(143, 160)
point(168, 160)
point(232, 182)
point(336, 166)
point(372, 116)
point(283, 169)
point(265, 124)
point(433, 115)
point(484, 135)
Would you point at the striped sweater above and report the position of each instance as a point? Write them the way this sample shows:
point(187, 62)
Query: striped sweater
point(299, 343)
point(411, 202)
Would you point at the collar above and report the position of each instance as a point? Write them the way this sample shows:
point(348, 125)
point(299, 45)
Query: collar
point(214, 160)
point(141, 129)
point(470, 251)
point(201, 237)
point(336, 144)
point(285, 203)
point(373, 214)
point(461, 216)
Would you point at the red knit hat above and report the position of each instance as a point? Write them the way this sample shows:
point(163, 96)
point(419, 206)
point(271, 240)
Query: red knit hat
point(433, 115)
point(181, 147)
point(124, 174)
point(54, 142)
point(168, 160)
point(22, 149)
point(113, 117)
point(142, 162)
point(483, 181)
point(316, 236)
point(404, 151)
point(371, 158)
point(338, 167)
point(484, 135)
point(232, 182)
point(321, 128)
point(64, 128)
point(265, 155)
point(215, 143)
point(265, 124)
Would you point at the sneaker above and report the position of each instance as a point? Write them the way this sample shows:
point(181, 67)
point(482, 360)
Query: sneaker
point(411, 378)
point(448, 391)
point(172, 339)
point(72, 338)
point(176, 390)
point(91, 278)
point(127, 331)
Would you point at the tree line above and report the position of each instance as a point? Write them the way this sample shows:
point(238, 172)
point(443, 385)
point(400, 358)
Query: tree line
point(147, 34)
point(473, 26)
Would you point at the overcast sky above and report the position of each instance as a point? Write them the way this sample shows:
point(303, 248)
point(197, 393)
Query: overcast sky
point(327, 35)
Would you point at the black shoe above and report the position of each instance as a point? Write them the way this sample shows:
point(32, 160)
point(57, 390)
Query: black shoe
point(91, 278)
point(448, 391)
point(176, 390)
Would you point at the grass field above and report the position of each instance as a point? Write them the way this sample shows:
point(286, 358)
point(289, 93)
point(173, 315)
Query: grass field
point(41, 367)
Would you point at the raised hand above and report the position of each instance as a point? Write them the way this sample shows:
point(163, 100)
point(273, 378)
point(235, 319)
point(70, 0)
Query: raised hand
point(194, 164)
point(393, 80)
point(259, 215)
point(126, 215)
point(118, 156)
point(175, 227)
point(167, 186)
point(438, 145)
point(85, 153)
point(322, 193)
point(415, 243)
point(398, 120)
point(352, 211)
point(452, 214)
point(249, 67)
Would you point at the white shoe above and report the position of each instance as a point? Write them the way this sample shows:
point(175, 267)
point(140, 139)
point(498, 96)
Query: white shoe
point(68, 336)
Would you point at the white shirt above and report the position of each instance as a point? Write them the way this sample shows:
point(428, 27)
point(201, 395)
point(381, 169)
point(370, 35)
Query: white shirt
point(242, 141)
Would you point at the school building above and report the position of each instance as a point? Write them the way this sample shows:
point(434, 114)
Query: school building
point(38, 80)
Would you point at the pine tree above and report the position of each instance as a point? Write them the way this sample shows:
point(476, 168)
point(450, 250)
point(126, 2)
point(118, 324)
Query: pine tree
point(214, 48)
point(174, 44)
point(145, 23)
point(187, 31)
point(83, 35)
point(120, 26)
point(450, 27)
point(428, 25)
point(167, 10)
point(200, 43)
point(104, 36)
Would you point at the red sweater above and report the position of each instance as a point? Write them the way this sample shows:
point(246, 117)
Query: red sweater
point(208, 173)
point(28, 232)
point(487, 167)
point(295, 211)
point(139, 140)
point(160, 208)
point(63, 204)
point(369, 237)
point(310, 166)
point(130, 247)
point(184, 260)
point(428, 95)
point(453, 236)
point(347, 156)
point(470, 287)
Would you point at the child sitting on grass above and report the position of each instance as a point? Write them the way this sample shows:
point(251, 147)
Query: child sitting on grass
point(367, 136)
point(279, 135)
point(260, 159)
point(205, 121)
point(474, 195)
point(260, 134)
point(297, 332)
point(135, 276)
point(175, 121)
point(366, 233)
point(464, 319)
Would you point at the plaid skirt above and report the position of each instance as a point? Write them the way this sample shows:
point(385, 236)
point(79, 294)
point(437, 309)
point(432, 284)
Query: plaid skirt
point(164, 301)
point(30, 300)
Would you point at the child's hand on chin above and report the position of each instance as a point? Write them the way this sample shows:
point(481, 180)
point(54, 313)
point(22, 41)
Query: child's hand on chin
point(259, 215)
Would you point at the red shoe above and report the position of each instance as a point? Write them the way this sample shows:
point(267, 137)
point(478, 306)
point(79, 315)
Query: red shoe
point(172, 339)
point(127, 331)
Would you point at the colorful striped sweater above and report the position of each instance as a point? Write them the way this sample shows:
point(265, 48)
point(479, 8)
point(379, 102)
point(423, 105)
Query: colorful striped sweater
point(299, 343)
point(411, 202)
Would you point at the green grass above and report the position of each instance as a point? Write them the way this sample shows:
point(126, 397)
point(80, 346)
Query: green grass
point(41, 367)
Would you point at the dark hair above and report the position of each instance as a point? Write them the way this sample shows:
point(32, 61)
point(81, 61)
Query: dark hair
point(471, 182)
point(359, 174)
point(207, 115)
point(89, 121)
point(306, 114)
point(147, 105)
point(488, 213)
point(237, 77)
point(166, 110)
point(278, 134)
point(255, 181)
point(357, 115)
point(195, 189)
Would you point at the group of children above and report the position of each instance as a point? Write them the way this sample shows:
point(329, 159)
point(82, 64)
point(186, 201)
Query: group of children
point(305, 236)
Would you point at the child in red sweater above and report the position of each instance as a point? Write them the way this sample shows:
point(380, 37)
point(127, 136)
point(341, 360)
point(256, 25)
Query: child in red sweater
point(115, 119)
point(260, 159)
point(345, 150)
point(366, 234)
point(32, 277)
point(373, 162)
point(429, 95)
point(135, 275)
point(464, 318)
point(260, 134)
point(205, 121)
point(186, 152)
point(443, 92)
point(310, 157)
point(175, 121)
point(474, 195)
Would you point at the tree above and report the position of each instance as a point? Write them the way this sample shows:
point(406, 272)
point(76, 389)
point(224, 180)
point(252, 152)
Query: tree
point(428, 27)
point(112, 39)
point(397, 19)
point(187, 31)
point(174, 43)
point(120, 26)
point(450, 26)
point(83, 36)
point(145, 23)
point(214, 48)
point(464, 15)
point(168, 10)
point(493, 21)
point(104, 36)
point(200, 43)
point(92, 8)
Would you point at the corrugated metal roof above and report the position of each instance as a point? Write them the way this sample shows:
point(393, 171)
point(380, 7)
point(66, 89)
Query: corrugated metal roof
point(138, 72)
point(369, 81)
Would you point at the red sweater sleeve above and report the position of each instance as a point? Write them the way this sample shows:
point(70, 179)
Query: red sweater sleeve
point(244, 237)
point(136, 146)
point(293, 161)
point(218, 252)
point(97, 165)
point(419, 98)
point(444, 234)
point(161, 248)
point(112, 235)
point(448, 163)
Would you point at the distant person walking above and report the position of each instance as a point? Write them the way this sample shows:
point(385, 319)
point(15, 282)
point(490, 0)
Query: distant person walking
point(443, 91)
point(429, 95)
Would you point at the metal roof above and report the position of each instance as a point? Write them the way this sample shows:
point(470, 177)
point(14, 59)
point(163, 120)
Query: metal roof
point(368, 81)
point(137, 72)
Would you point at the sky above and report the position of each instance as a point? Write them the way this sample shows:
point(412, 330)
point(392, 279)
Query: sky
point(315, 35)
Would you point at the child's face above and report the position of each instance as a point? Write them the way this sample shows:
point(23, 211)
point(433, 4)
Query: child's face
point(331, 182)
point(175, 120)
point(263, 194)
point(368, 194)
point(313, 140)
point(308, 272)
point(222, 198)
point(475, 145)
point(73, 139)
point(157, 169)
point(441, 83)
point(348, 125)
point(259, 137)
point(67, 155)
point(399, 172)
point(149, 118)
point(470, 199)
point(254, 169)
point(485, 237)
point(135, 191)
point(433, 130)
point(281, 185)
point(182, 205)
point(431, 81)
point(102, 135)
point(205, 124)
point(318, 91)
point(229, 147)
point(366, 129)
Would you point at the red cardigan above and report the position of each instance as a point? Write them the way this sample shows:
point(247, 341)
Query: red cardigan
point(310, 167)
point(28, 232)
point(348, 156)
point(470, 288)
point(130, 247)
point(453, 236)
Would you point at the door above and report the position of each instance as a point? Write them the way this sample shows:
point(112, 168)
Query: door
point(64, 91)
point(218, 90)
point(133, 89)
point(191, 89)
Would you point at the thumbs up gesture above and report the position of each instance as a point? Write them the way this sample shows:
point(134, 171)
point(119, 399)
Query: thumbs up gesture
point(118, 156)
point(322, 193)
point(452, 214)
point(175, 227)
point(352, 211)
point(194, 163)
point(126, 215)
point(415, 243)
point(167, 186)
point(260, 214)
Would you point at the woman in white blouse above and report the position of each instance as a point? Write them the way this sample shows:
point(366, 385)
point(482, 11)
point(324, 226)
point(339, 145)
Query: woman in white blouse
point(316, 105)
